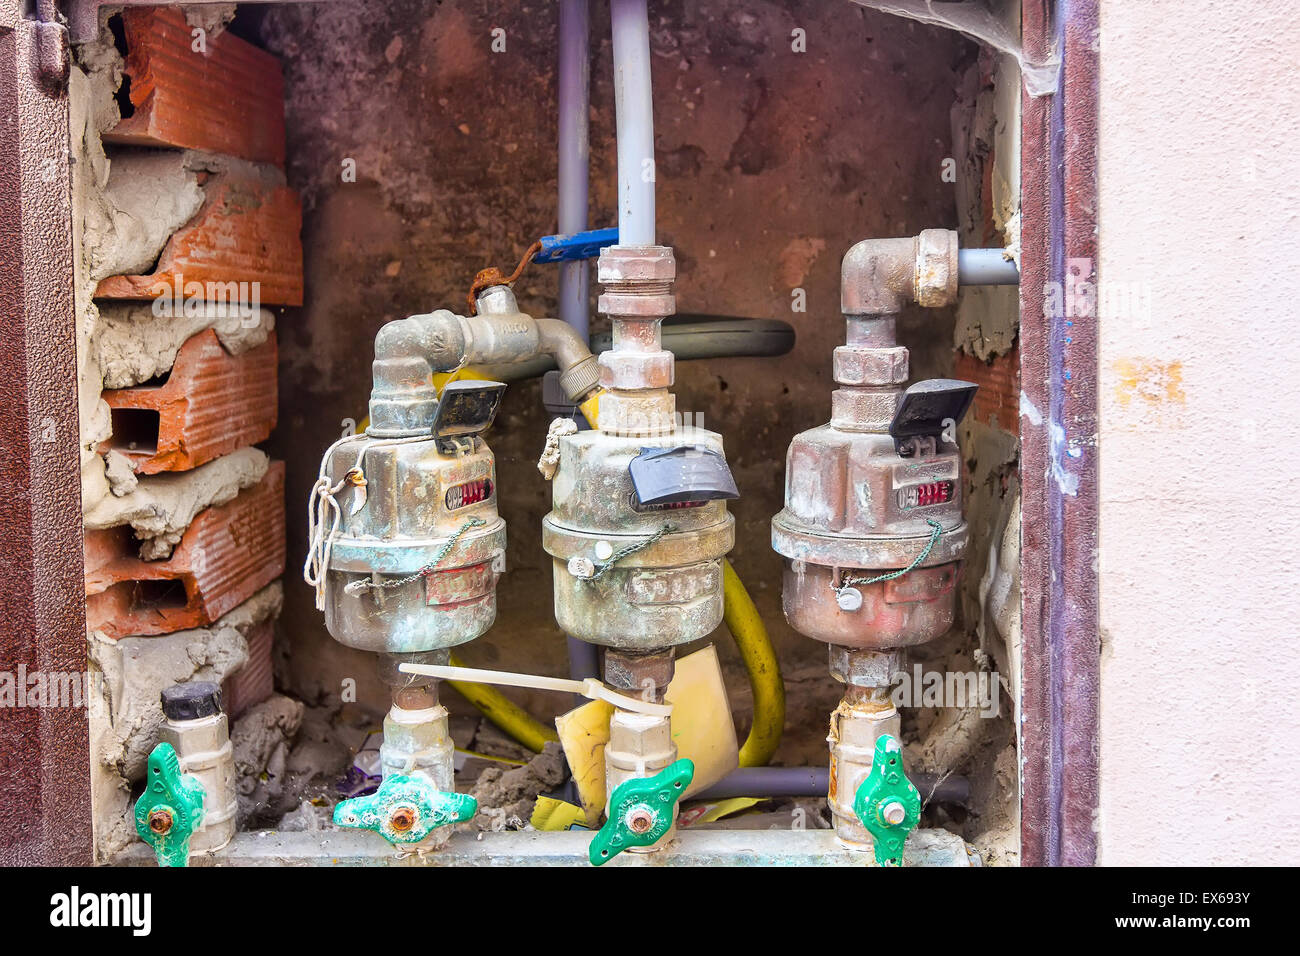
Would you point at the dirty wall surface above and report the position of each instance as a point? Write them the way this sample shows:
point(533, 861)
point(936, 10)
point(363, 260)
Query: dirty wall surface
point(771, 163)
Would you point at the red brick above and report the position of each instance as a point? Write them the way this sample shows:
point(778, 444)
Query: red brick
point(228, 553)
point(212, 403)
point(228, 100)
point(255, 681)
point(998, 400)
point(247, 231)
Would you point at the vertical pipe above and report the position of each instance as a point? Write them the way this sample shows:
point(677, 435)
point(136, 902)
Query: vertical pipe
point(635, 117)
point(575, 81)
point(575, 94)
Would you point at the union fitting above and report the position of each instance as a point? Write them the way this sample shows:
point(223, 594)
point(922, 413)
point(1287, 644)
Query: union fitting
point(640, 674)
point(864, 668)
point(637, 370)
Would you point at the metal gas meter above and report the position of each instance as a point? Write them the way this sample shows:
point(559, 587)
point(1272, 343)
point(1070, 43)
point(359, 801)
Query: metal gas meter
point(872, 531)
point(414, 563)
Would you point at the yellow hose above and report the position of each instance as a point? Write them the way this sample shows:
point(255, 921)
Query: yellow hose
point(504, 712)
point(764, 670)
point(765, 683)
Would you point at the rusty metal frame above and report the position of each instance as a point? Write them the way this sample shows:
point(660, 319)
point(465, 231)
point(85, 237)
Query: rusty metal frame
point(45, 815)
point(1058, 367)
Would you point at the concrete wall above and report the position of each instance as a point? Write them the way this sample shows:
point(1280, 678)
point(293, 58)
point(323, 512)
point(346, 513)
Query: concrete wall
point(1200, 401)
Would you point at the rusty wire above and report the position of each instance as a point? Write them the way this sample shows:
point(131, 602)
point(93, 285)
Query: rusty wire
point(493, 276)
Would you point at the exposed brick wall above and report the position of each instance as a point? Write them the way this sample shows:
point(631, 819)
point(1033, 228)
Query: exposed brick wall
point(241, 249)
point(998, 400)
point(227, 554)
point(229, 99)
point(212, 403)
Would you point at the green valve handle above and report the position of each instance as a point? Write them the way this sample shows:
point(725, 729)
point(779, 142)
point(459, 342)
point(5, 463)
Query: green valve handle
point(887, 803)
point(641, 811)
point(170, 809)
point(405, 809)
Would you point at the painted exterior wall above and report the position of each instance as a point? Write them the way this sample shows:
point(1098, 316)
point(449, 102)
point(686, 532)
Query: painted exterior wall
point(1199, 397)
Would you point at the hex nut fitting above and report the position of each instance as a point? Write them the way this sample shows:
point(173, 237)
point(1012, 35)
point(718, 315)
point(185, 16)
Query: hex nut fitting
point(864, 668)
point(936, 268)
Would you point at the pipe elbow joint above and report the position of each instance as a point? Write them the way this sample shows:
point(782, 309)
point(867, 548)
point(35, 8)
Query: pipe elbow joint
point(881, 276)
point(403, 400)
point(579, 370)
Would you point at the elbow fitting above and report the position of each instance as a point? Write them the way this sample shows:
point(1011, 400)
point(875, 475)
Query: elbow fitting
point(579, 370)
point(403, 400)
point(881, 276)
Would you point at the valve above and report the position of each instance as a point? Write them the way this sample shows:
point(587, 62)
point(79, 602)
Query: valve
point(641, 811)
point(887, 804)
point(405, 809)
point(170, 809)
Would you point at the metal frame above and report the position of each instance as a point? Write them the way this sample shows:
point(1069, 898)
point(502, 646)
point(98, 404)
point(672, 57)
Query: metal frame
point(45, 815)
point(1058, 427)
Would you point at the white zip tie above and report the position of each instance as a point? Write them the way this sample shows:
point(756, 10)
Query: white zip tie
point(590, 687)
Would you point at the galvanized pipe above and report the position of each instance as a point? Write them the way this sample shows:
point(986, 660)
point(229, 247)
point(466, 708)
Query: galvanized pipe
point(408, 351)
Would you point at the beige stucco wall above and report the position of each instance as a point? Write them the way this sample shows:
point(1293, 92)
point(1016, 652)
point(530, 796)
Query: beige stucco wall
point(1200, 400)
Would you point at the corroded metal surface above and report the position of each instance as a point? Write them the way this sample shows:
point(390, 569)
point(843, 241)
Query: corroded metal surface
point(693, 847)
point(666, 594)
point(384, 592)
point(854, 506)
point(910, 610)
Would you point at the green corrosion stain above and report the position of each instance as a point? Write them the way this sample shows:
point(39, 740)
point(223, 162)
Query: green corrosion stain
point(405, 809)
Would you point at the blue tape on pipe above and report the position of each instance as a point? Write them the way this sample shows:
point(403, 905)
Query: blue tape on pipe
point(580, 245)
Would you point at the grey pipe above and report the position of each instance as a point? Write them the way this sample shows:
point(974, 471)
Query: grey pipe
point(574, 97)
point(700, 337)
point(985, 267)
point(574, 148)
point(815, 782)
point(634, 115)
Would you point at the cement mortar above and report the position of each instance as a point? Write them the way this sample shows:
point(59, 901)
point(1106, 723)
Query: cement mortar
point(160, 507)
point(127, 677)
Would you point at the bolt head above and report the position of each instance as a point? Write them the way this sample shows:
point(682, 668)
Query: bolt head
point(893, 813)
point(403, 819)
point(581, 567)
point(640, 820)
point(160, 822)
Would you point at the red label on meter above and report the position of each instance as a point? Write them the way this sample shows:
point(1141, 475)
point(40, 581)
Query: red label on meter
point(468, 493)
point(926, 493)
